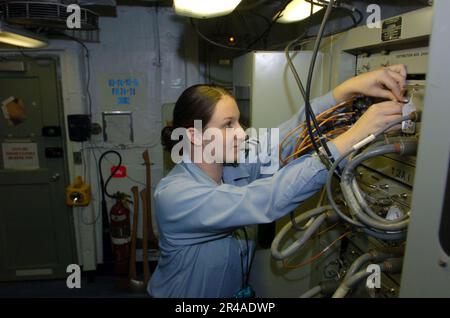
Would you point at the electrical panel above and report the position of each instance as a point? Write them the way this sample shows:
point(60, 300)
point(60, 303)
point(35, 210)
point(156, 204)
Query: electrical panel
point(386, 180)
point(371, 205)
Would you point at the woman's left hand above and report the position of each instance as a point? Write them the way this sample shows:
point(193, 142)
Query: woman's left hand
point(388, 82)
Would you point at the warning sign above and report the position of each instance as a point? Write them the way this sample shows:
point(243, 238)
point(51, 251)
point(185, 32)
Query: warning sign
point(20, 156)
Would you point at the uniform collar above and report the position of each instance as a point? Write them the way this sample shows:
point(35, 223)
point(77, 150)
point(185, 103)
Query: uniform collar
point(233, 173)
point(230, 173)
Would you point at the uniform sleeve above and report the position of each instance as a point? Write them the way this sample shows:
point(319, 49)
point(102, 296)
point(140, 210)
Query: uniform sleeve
point(191, 213)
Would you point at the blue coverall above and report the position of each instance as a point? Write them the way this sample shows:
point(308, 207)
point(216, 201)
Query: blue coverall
point(196, 217)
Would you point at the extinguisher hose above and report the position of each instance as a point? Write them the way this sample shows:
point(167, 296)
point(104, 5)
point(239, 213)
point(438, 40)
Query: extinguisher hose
point(106, 231)
point(103, 184)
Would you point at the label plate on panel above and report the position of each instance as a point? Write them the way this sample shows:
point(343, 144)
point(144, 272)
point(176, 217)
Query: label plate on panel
point(391, 29)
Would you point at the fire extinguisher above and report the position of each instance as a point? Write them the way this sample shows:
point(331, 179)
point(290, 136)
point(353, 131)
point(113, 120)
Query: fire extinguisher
point(120, 233)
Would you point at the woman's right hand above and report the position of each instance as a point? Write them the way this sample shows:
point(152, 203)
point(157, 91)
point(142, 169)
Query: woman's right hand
point(376, 117)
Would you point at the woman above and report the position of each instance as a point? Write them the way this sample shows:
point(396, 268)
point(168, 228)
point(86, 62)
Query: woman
point(200, 205)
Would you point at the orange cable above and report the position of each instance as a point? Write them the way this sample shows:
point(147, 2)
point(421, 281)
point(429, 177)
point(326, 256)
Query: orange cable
point(318, 255)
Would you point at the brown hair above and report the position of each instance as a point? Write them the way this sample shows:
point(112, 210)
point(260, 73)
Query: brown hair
point(195, 103)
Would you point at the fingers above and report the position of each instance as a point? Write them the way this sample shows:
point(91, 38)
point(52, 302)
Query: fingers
point(385, 93)
point(387, 112)
point(395, 128)
point(389, 119)
point(391, 83)
point(398, 68)
point(389, 108)
point(400, 79)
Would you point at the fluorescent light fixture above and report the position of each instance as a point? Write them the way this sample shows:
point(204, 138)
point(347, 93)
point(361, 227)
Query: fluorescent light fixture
point(20, 38)
point(297, 10)
point(203, 9)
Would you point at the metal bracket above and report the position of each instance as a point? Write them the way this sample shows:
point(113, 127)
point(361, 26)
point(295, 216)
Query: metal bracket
point(105, 115)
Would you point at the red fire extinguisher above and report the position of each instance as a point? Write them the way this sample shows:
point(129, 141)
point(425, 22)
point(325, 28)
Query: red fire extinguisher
point(120, 233)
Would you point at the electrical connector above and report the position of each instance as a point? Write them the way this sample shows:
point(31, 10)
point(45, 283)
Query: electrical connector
point(409, 126)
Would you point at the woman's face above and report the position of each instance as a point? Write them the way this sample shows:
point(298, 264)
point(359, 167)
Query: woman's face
point(225, 124)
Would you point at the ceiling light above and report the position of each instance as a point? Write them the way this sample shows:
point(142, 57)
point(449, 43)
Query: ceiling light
point(18, 37)
point(204, 9)
point(297, 10)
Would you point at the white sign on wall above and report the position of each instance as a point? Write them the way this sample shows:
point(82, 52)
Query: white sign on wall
point(20, 156)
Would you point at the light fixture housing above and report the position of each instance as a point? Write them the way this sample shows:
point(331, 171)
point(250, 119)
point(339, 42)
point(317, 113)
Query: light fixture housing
point(204, 9)
point(20, 37)
point(297, 10)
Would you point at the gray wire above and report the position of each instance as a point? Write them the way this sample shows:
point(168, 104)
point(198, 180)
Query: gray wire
point(346, 285)
point(392, 265)
point(392, 124)
point(351, 199)
point(312, 292)
point(393, 236)
point(332, 170)
point(356, 265)
point(280, 255)
point(360, 197)
point(330, 190)
point(356, 201)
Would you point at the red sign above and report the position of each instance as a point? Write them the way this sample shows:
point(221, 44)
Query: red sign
point(120, 173)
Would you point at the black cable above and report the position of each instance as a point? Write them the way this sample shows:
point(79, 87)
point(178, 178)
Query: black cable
point(83, 159)
point(292, 66)
point(360, 16)
point(269, 27)
point(266, 32)
point(350, 10)
point(249, 47)
point(136, 181)
point(246, 25)
point(266, 19)
point(204, 37)
point(88, 66)
point(309, 112)
point(107, 243)
point(104, 185)
point(127, 176)
point(97, 217)
point(23, 53)
point(102, 207)
point(306, 37)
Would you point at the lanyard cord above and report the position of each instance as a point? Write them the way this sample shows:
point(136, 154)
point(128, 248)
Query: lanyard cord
point(245, 271)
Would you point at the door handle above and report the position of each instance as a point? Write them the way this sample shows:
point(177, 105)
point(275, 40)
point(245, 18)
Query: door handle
point(55, 177)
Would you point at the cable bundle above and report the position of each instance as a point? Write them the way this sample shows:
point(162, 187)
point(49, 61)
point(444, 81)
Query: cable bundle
point(332, 122)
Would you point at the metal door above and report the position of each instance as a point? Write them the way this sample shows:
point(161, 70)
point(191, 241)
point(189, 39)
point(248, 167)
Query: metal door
point(36, 227)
